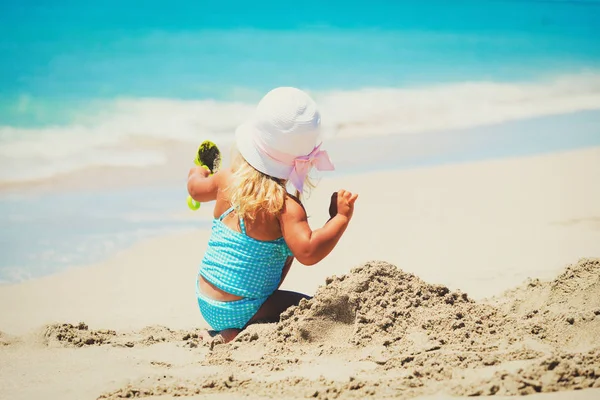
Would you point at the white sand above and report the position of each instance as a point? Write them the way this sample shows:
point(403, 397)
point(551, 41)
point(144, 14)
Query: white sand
point(480, 227)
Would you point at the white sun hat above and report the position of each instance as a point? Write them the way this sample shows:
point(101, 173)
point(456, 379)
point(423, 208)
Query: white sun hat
point(282, 138)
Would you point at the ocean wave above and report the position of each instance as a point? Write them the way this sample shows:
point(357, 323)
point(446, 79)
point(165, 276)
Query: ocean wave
point(109, 135)
point(456, 106)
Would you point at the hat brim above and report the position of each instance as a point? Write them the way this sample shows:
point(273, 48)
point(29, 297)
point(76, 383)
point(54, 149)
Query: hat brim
point(244, 137)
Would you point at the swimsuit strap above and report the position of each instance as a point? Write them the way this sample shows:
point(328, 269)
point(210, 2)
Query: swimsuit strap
point(230, 209)
point(242, 224)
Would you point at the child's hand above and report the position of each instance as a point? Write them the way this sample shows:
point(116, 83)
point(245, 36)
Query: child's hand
point(308, 246)
point(203, 171)
point(203, 186)
point(343, 203)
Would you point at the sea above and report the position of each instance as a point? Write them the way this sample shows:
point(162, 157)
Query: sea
point(416, 83)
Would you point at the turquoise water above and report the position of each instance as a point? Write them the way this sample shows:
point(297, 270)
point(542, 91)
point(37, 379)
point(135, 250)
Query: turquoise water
point(428, 81)
point(60, 58)
point(41, 236)
point(79, 80)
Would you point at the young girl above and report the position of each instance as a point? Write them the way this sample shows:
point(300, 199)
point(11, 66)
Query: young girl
point(258, 227)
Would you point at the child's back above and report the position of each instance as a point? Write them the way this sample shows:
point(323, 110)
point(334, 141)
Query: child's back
point(258, 227)
point(265, 225)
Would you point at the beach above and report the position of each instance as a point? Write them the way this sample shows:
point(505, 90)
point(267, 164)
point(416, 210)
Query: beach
point(478, 278)
point(470, 131)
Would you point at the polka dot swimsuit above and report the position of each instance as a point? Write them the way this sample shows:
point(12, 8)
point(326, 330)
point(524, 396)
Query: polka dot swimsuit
point(238, 264)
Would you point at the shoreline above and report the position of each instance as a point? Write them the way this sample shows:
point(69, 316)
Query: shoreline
point(183, 220)
point(517, 138)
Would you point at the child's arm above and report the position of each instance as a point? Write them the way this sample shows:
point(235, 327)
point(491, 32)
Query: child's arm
point(309, 246)
point(201, 185)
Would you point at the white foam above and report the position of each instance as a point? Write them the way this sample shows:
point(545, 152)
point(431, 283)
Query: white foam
point(455, 106)
point(103, 137)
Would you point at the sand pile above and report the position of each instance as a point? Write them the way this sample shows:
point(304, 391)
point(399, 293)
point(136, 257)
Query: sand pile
point(553, 373)
point(79, 335)
point(377, 303)
point(75, 335)
point(564, 312)
point(430, 337)
point(380, 331)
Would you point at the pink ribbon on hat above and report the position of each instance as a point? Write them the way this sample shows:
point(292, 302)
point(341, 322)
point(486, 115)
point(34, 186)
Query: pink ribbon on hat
point(303, 164)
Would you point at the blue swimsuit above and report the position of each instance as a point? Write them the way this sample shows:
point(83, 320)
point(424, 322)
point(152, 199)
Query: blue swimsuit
point(238, 264)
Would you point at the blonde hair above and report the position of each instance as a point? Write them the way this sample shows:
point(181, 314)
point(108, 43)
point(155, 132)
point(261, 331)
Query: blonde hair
point(252, 191)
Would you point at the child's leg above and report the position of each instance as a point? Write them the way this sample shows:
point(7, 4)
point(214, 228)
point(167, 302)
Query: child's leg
point(270, 311)
point(277, 303)
point(216, 337)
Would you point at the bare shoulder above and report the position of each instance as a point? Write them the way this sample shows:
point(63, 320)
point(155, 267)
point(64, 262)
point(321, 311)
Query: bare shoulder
point(223, 178)
point(293, 209)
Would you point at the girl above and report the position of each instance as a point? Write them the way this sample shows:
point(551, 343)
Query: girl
point(258, 227)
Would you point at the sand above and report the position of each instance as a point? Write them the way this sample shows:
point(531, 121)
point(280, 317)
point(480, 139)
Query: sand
point(467, 280)
point(376, 331)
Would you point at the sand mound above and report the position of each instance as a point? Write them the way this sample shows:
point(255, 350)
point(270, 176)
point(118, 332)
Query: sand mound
point(69, 335)
point(565, 311)
point(380, 331)
point(427, 336)
point(377, 303)
point(79, 335)
point(551, 374)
